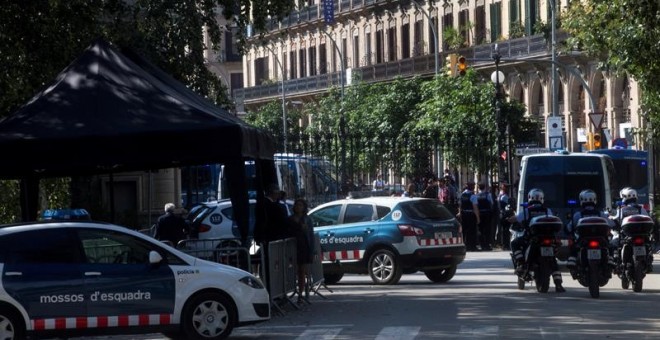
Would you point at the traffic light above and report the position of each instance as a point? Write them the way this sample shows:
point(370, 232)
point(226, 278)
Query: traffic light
point(462, 66)
point(590, 141)
point(450, 64)
point(597, 141)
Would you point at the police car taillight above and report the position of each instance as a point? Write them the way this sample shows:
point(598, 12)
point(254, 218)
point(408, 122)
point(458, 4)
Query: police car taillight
point(409, 230)
point(204, 228)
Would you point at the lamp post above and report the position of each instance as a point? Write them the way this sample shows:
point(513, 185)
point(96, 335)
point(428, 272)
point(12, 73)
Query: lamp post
point(435, 36)
point(284, 138)
point(503, 126)
point(342, 119)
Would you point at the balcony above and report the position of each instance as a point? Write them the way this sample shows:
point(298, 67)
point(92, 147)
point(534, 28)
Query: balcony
point(533, 46)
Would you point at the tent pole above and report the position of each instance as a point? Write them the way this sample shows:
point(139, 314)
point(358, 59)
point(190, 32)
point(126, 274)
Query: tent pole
point(112, 198)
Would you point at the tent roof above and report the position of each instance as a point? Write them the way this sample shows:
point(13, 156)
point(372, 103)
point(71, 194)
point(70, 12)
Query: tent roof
point(109, 111)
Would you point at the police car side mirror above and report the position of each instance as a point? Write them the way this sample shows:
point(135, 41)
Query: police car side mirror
point(154, 257)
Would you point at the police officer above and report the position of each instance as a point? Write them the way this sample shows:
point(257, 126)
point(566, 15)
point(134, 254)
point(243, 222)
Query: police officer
point(535, 207)
point(468, 213)
point(485, 207)
point(503, 234)
point(588, 200)
point(627, 208)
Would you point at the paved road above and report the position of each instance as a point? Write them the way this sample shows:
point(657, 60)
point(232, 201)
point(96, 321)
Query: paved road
point(482, 301)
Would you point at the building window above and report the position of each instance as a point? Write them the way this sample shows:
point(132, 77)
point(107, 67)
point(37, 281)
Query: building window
point(532, 15)
point(312, 61)
point(292, 65)
point(367, 51)
point(260, 70)
point(463, 25)
point(356, 50)
point(231, 46)
point(405, 41)
point(495, 21)
point(380, 46)
point(432, 28)
point(391, 44)
point(344, 51)
point(480, 25)
point(447, 23)
point(303, 62)
point(418, 39)
point(323, 59)
point(236, 81)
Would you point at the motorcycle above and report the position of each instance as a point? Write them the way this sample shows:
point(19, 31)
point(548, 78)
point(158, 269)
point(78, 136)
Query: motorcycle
point(635, 245)
point(539, 253)
point(592, 269)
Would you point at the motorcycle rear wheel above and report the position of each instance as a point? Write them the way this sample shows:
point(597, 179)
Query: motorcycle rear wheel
point(638, 278)
point(594, 277)
point(542, 278)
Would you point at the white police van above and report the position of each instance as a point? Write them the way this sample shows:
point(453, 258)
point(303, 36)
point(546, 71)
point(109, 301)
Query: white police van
point(79, 278)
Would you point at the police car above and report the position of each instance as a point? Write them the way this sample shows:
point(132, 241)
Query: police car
point(387, 237)
point(78, 278)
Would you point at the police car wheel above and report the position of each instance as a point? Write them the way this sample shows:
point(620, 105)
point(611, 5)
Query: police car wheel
point(208, 316)
point(11, 324)
point(384, 267)
point(441, 275)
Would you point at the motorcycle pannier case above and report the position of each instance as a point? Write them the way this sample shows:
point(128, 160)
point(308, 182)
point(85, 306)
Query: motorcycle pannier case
point(637, 225)
point(592, 227)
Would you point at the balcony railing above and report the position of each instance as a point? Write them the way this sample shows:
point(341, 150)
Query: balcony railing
point(421, 65)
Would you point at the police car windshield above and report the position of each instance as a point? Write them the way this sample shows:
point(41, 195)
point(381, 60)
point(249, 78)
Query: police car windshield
point(426, 210)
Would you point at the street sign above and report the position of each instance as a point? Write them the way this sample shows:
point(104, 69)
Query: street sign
point(556, 143)
point(530, 151)
point(554, 127)
point(596, 119)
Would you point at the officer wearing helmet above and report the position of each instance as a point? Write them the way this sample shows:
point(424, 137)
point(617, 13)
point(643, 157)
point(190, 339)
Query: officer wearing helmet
point(628, 205)
point(588, 201)
point(535, 207)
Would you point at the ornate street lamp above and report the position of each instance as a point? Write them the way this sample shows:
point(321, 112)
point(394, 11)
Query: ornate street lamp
point(503, 155)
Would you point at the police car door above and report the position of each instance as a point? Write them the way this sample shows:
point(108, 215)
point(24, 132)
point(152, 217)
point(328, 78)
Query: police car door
point(347, 241)
point(42, 273)
point(119, 278)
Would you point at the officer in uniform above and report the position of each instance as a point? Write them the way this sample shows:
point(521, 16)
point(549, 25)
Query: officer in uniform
point(628, 207)
point(485, 206)
point(535, 207)
point(587, 208)
point(468, 213)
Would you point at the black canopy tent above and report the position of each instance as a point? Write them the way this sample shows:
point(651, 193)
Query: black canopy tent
point(111, 112)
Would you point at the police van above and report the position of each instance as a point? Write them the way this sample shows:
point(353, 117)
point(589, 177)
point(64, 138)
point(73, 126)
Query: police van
point(80, 278)
point(562, 175)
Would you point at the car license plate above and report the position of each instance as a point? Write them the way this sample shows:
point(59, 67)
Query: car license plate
point(444, 235)
point(639, 251)
point(593, 254)
point(547, 251)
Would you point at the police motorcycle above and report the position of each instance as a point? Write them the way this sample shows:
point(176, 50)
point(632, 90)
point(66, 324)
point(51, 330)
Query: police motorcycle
point(592, 269)
point(634, 256)
point(540, 251)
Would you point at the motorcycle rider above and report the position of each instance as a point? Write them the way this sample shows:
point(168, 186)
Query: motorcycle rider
point(535, 207)
point(588, 200)
point(627, 208)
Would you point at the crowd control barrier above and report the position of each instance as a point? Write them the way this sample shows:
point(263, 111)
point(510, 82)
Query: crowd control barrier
point(225, 251)
point(316, 280)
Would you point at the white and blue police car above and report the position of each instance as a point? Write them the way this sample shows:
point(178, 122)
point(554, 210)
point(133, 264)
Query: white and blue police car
point(78, 278)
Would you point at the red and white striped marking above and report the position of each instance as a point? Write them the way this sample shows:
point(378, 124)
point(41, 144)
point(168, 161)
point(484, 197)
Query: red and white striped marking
point(343, 255)
point(85, 322)
point(439, 242)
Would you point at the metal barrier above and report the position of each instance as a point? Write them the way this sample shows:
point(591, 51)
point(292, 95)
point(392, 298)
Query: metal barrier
point(280, 273)
point(316, 279)
point(225, 251)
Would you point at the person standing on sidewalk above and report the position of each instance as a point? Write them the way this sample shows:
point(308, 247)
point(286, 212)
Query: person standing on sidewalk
point(468, 213)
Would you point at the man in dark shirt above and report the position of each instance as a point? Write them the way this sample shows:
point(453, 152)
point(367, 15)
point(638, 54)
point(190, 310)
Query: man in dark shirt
point(171, 227)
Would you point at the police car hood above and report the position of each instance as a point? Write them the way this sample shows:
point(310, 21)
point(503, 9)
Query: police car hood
point(225, 268)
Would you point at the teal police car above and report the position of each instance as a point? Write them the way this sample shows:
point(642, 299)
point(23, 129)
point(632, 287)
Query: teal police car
point(78, 278)
point(387, 237)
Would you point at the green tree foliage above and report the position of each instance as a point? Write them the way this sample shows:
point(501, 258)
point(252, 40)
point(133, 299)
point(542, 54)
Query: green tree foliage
point(624, 35)
point(39, 38)
point(269, 118)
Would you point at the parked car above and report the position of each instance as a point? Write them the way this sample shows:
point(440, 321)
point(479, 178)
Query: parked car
point(386, 237)
point(215, 221)
point(78, 278)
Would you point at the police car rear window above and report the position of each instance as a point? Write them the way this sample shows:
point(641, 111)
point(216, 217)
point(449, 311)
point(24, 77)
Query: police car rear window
point(426, 210)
